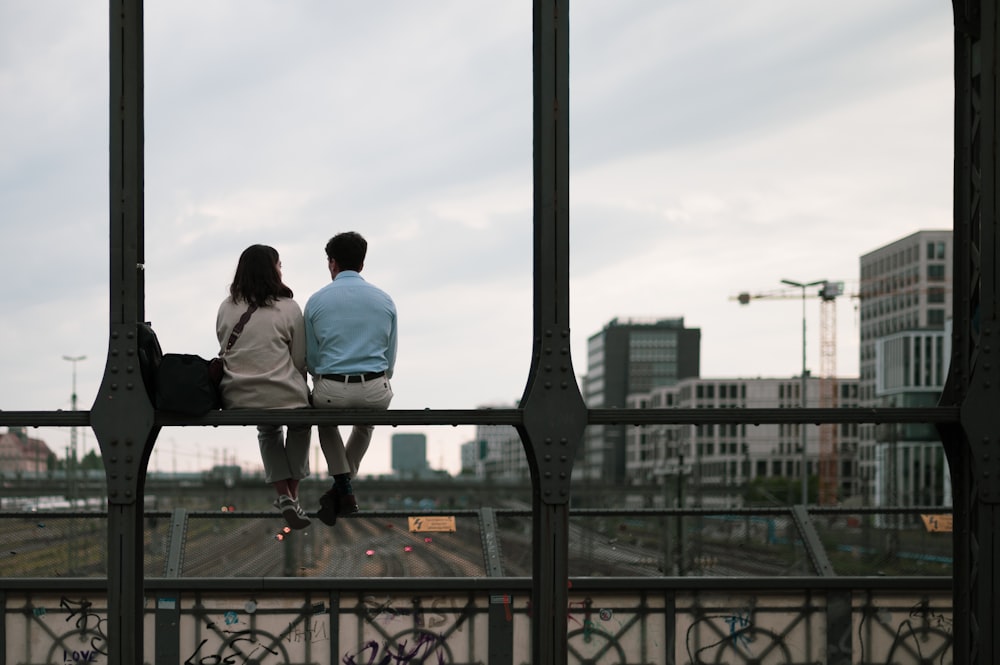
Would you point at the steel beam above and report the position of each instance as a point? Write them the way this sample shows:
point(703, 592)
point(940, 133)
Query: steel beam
point(122, 416)
point(554, 414)
point(973, 444)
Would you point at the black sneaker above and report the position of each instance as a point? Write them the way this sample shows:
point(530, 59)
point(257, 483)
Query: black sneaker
point(328, 504)
point(347, 504)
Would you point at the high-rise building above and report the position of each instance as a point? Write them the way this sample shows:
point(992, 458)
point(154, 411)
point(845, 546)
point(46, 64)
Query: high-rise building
point(906, 295)
point(409, 454)
point(630, 356)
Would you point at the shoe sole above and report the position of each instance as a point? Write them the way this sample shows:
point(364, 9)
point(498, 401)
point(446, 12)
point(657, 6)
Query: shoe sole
point(295, 520)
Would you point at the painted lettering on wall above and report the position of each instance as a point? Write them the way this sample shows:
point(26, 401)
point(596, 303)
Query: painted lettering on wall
point(87, 621)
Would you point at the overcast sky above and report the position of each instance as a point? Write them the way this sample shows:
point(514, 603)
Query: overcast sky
point(717, 146)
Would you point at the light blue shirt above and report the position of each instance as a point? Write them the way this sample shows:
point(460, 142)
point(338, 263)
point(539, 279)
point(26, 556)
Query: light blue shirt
point(350, 328)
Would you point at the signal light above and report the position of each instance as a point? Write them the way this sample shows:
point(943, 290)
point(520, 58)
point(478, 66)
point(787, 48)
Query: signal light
point(408, 548)
point(369, 552)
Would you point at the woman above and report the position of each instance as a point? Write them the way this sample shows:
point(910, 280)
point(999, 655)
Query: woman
point(265, 368)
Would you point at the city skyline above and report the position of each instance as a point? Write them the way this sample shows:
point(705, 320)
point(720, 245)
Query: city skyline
point(767, 143)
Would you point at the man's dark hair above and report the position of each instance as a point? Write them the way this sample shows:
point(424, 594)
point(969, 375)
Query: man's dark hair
point(348, 250)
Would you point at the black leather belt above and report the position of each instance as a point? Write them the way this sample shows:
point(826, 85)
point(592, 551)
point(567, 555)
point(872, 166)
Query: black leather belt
point(353, 378)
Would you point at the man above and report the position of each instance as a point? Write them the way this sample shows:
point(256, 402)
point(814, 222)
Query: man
point(350, 328)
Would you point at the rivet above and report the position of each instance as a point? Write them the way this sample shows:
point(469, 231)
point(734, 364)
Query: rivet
point(548, 384)
point(114, 459)
point(548, 441)
point(114, 334)
point(548, 474)
point(548, 368)
point(128, 492)
point(548, 458)
point(128, 458)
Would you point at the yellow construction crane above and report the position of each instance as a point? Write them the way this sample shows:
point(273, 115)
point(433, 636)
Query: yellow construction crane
point(828, 469)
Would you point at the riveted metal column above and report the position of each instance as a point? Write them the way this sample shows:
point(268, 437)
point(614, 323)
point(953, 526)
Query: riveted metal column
point(554, 415)
point(122, 416)
point(973, 446)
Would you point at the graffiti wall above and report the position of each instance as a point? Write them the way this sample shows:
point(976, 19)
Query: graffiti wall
point(330, 628)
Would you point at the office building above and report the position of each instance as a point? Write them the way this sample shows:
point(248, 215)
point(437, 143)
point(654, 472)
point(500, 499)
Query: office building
point(906, 301)
point(409, 455)
point(716, 462)
point(626, 357)
point(496, 453)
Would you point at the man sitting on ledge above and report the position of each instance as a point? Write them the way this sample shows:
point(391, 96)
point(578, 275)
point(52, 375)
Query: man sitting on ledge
point(350, 330)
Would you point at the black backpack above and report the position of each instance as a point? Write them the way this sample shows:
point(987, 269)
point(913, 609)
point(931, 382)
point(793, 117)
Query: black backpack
point(150, 356)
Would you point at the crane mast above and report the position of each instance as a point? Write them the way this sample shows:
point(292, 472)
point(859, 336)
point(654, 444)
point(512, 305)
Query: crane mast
point(829, 466)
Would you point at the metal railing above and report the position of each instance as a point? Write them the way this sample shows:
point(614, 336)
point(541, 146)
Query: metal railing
point(646, 586)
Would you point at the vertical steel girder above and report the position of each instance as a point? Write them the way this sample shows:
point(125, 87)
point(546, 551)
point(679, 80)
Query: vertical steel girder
point(973, 445)
point(554, 414)
point(122, 416)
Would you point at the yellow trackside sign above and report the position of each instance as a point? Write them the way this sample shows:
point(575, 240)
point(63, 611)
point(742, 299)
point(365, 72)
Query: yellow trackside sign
point(435, 523)
point(937, 523)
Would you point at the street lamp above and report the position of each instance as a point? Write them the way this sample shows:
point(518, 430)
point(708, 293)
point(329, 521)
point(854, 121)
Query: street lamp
point(805, 457)
point(71, 458)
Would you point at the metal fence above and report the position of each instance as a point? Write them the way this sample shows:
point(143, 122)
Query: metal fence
point(647, 586)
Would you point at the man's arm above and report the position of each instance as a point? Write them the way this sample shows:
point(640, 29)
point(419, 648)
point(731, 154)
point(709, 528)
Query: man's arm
point(390, 353)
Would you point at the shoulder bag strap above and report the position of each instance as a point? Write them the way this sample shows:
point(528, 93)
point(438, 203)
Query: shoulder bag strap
point(238, 328)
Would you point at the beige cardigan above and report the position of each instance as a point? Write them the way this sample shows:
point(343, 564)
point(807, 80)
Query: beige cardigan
point(266, 368)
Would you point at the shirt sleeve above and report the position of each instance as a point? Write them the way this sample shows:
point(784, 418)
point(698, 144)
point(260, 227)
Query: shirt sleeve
point(390, 354)
point(312, 350)
point(297, 345)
